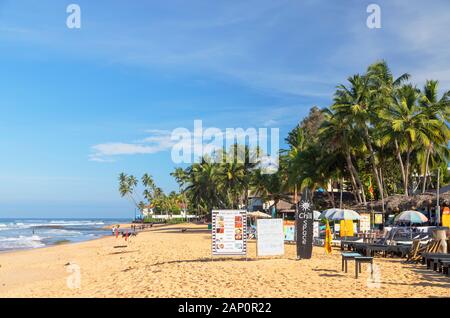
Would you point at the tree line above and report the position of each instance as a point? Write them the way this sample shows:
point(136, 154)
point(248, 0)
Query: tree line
point(381, 136)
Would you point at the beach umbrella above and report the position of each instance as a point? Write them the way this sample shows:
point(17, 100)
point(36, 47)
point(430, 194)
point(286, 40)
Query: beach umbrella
point(411, 217)
point(259, 215)
point(328, 213)
point(344, 214)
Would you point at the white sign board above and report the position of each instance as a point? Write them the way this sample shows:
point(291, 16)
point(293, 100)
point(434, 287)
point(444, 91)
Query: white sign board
point(364, 222)
point(270, 237)
point(229, 232)
point(316, 230)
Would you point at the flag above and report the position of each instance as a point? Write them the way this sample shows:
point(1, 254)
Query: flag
point(370, 186)
point(328, 238)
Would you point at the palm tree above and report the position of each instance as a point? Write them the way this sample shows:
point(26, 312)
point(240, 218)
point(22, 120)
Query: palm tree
point(411, 127)
point(181, 177)
point(127, 185)
point(353, 105)
point(341, 137)
point(438, 109)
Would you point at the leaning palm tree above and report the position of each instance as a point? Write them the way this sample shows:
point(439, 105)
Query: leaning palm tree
point(340, 136)
point(353, 105)
point(127, 186)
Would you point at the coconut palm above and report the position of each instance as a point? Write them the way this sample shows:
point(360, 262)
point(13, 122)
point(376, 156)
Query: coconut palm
point(439, 109)
point(411, 126)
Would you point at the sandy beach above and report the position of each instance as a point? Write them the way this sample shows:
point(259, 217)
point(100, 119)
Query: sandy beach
point(166, 262)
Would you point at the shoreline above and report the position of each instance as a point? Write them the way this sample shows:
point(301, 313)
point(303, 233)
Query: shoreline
point(63, 241)
point(11, 251)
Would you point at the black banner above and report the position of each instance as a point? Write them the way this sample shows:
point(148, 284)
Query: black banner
point(304, 218)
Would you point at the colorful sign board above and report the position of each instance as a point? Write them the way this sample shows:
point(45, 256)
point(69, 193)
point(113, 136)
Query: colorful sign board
point(378, 218)
point(346, 228)
point(229, 232)
point(270, 237)
point(289, 230)
point(446, 217)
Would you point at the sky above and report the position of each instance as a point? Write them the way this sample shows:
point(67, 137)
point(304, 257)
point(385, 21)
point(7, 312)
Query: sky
point(79, 106)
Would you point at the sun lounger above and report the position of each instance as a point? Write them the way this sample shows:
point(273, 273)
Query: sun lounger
point(417, 254)
point(445, 266)
point(431, 259)
point(414, 254)
point(436, 262)
point(398, 250)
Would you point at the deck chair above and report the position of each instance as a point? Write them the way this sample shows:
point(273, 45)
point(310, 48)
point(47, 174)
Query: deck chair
point(413, 254)
point(431, 247)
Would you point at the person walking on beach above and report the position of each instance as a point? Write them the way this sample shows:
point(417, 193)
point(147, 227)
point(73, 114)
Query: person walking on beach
point(113, 230)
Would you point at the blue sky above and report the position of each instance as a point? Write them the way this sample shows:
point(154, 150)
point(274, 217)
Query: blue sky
point(138, 69)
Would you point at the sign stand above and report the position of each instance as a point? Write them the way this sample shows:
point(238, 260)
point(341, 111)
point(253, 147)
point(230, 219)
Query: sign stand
point(304, 218)
point(229, 233)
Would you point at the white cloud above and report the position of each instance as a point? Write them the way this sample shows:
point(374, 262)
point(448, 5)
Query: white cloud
point(158, 141)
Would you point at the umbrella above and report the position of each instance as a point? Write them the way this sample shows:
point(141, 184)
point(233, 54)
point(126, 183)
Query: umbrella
point(317, 215)
point(411, 217)
point(345, 215)
point(259, 215)
point(328, 213)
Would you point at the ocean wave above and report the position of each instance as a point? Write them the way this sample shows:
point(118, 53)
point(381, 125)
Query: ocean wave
point(19, 242)
point(63, 232)
point(75, 223)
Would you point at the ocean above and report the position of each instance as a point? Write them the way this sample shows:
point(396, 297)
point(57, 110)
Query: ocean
point(17, 234)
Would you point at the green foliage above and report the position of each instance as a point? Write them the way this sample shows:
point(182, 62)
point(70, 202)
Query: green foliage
point(378, 128)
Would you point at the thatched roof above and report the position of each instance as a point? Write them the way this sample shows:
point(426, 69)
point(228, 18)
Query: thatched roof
point(426, 200)
point(284, 205)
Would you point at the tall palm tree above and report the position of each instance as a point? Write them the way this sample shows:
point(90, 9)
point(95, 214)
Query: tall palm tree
point(437, 108)
point(340, 136)
point(353, 104)
point(411, 126)
point(127, 185)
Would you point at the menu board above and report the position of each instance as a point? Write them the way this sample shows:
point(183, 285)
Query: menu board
point(270, 237)
point(364, 222)
point(229, 232)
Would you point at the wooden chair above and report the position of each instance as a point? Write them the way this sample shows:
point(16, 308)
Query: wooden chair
point(414, 252)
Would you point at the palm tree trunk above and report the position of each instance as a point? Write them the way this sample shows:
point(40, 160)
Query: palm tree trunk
point(408, 155)
point(425, 177)
point(356, 175)
point(402, 167)
point(374, 165)
point(355, 188)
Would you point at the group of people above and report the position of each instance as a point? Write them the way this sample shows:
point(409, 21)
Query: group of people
point(115, 231)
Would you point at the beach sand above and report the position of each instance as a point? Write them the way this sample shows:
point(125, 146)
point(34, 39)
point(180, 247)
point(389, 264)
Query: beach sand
point(166, 262)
